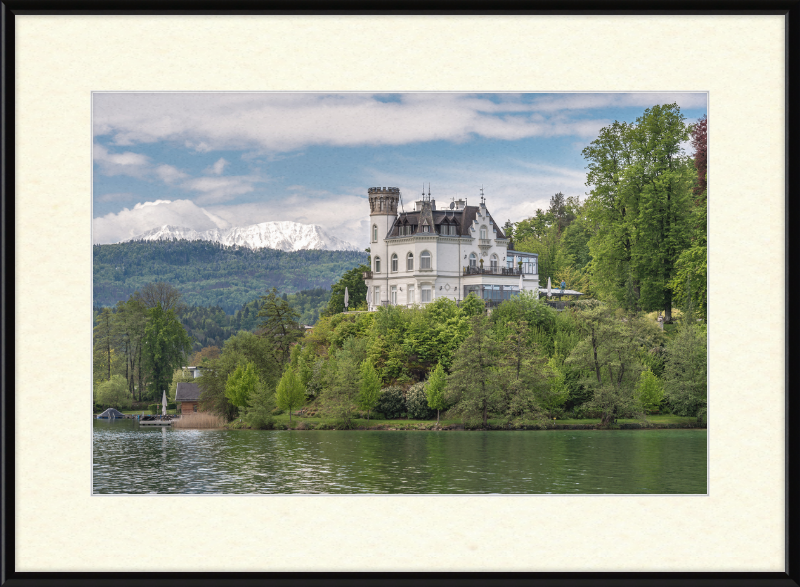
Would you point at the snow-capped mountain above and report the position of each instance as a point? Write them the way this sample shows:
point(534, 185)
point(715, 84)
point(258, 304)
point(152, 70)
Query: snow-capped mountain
point(286, 236)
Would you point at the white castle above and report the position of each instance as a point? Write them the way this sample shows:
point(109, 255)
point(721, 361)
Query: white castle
point(425, 254)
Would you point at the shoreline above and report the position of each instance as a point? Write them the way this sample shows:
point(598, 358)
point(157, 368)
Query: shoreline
point(490, 428)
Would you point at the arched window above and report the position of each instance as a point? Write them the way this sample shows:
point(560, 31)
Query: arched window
point(377, 264)
point(374, 233)
point(473, 260)
point(394, 262)
point(410, 262)
point(425, 260)
point(493, 263)
point(483, 232)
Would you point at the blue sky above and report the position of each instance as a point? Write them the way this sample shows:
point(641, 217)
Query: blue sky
point(218, 160)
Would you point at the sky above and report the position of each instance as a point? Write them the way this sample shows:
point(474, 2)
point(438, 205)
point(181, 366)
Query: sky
point(221, 160)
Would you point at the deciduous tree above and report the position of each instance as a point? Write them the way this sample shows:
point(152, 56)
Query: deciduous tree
point(241, 383)
point(685, 370)
point(435, 389)
point(166, 347)
point(290, 393)
point(370, 387)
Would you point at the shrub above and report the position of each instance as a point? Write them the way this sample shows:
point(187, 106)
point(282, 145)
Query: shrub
point(391, 402)
point(417, 403)
point(154, 408)
point(114, 393)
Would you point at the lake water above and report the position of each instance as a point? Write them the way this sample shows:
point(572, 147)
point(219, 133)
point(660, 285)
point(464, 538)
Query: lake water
point(130, 459)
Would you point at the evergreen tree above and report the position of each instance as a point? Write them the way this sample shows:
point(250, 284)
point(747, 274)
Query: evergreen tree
point(279, 325)
point(473, 388)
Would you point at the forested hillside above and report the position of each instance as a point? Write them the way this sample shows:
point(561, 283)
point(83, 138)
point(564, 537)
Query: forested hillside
point(213, 326)
point(209, 274)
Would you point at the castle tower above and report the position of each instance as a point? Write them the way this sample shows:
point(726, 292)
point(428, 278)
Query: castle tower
point(383, 204)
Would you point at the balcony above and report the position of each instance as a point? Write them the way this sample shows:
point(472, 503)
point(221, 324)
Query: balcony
point(493, 271)
point(366, 275)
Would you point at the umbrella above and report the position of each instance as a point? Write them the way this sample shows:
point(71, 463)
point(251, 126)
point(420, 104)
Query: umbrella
point(549, 288)
point(346, 298)
point(164, 403)
point(521, 286)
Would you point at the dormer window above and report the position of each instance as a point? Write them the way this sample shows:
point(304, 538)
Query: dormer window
point(425, 227)
point(483, 232)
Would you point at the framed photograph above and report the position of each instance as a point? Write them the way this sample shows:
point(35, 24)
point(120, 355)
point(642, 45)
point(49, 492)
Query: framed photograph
point(144, 128)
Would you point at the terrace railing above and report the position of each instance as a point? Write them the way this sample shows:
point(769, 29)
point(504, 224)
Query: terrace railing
point(492, 271)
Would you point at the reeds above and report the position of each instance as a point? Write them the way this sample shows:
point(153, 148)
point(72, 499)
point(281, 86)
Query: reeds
point(199, 420)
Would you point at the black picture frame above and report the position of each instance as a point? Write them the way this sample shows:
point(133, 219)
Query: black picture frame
point(9, 576)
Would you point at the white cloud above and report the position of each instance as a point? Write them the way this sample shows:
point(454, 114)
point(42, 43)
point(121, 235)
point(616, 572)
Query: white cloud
point(169, 174)
point(115, 197)
point(279, 122)
point(218, 167)
point(127, 163)
point(128, 223)
point(220, 189)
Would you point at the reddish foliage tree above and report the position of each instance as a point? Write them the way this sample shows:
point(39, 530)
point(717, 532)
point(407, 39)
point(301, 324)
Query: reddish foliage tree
point(699, 144)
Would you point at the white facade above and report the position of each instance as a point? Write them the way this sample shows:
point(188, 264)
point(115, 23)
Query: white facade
point(426, 254)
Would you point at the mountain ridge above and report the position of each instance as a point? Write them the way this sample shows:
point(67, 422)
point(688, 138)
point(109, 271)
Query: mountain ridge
point(285, 236)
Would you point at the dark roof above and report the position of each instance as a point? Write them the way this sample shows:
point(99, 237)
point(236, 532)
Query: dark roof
point(463, 218)
point(111, 412)
point(187, 392)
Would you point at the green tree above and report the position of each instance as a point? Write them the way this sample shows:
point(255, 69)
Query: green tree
point(279, 325)
point(163, 294)
point(434, 390)
point(166, 346)
point(522, 373)
point(130, 321)
point(241, 384)
point(113, 393)
point(290, 393)
point(638, 208)
point(649, 391)
point(370, 387)
point(685, 371)
point(473, 389)
point(353, 280)
point(610, 356)
point(340, 397)
point(103, 345)
point(260, 405)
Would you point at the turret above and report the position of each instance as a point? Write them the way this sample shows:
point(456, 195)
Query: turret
point(383, 201)
point(383, 204)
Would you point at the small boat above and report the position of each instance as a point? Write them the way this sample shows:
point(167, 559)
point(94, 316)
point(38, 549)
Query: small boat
point(155, 420)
